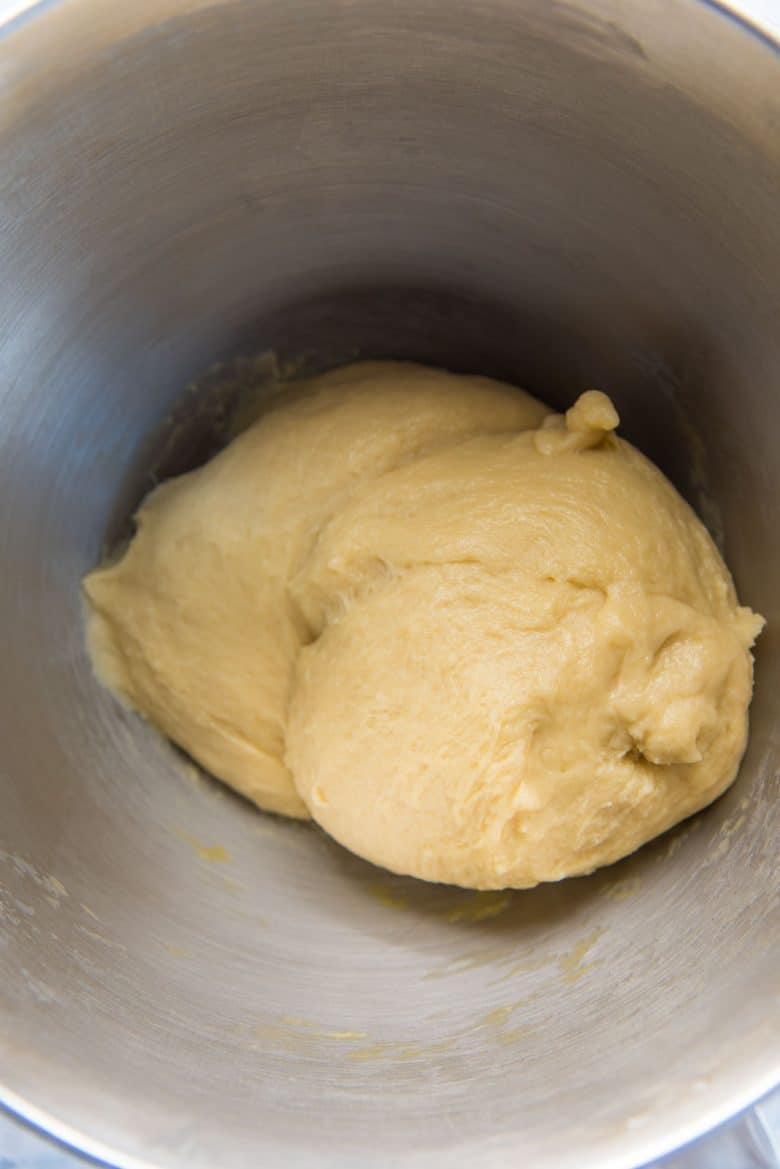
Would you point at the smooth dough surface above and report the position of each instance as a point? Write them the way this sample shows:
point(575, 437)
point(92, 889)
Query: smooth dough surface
point(478, 642)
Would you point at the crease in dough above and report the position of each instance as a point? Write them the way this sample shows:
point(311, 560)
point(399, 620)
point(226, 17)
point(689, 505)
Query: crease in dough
point(478, 642)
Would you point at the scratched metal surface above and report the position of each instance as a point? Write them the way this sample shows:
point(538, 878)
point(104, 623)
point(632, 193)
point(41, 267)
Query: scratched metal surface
point(183, 983)
point(751, 1141)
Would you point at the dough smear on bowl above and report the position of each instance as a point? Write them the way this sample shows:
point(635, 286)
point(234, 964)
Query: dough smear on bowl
point(476, 641)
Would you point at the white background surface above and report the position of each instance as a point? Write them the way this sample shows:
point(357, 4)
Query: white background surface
point(764, 12)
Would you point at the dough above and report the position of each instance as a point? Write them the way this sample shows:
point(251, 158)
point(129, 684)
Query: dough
point(477, 642)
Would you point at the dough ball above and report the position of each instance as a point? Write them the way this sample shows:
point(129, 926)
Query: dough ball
point(477, 642)
point(527, 660)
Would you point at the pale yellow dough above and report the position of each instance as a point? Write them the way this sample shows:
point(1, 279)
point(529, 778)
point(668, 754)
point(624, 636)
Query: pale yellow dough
point(477, 642)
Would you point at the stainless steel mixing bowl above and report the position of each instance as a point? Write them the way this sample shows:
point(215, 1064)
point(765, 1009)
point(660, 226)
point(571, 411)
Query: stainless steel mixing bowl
point(565, 194)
